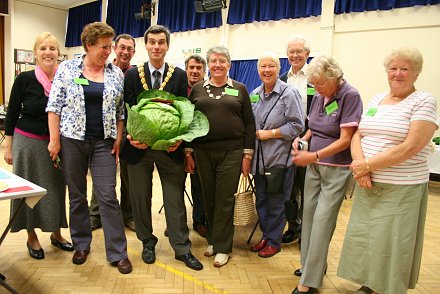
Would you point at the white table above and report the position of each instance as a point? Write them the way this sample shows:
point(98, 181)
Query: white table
point(18, 188)
point(434, 163)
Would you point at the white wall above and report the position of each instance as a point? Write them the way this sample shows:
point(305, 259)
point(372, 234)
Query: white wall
point(359, 41)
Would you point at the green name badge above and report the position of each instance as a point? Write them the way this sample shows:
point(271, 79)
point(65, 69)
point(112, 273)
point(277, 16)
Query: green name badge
point(332, 107)
point(255, 98)
point(310, 91)
point(371, 111)
point(80, 81)
point(232, 92)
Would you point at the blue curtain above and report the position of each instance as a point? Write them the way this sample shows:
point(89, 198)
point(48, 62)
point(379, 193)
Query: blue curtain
point(347, 6)
point(245, 71)
point(120, 16)
point(248, 11)
point(78, 17)
point(180, 16)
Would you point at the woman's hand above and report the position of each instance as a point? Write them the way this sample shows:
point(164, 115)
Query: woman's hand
point(189, 163)
point(359, 168)
point(54, 148)
point(365, 181)
point(136, 144)
point(303, 158)
point(295, 144)
point(8, 150)
point(174, 147)
point(115, 150)
point(246, 165)
point(264, 135)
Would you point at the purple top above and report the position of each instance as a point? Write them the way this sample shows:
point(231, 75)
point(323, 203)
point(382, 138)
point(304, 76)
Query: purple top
point(326, 121)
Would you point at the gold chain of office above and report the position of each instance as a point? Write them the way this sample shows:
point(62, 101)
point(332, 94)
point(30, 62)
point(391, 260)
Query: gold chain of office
point(144, 81)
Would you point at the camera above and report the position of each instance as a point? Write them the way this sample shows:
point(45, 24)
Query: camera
point(303, 145)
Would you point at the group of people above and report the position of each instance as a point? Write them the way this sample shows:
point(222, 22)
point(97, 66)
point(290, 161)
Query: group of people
point(308, 123)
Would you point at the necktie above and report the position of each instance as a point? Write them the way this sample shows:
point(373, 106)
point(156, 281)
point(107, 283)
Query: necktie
point(156, 75)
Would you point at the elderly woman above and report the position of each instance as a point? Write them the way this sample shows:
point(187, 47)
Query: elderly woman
point(278, 119)
point(382, 251)
point(224, 151)
point(27, 136)
point(333, 118)
point(86, 113)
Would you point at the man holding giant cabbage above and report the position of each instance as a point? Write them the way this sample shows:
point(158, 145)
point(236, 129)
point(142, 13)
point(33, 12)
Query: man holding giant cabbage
point(160, 118)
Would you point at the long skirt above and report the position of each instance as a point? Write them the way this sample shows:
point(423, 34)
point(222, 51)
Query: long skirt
point(32, 162)
point(383, 244)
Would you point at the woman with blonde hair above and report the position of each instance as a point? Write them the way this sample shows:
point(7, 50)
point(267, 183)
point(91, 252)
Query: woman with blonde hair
point(27, 137)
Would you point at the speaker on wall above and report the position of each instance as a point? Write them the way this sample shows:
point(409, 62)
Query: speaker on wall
point(204, 6)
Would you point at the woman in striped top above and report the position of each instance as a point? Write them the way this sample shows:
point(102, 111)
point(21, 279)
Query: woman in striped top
point(383, 245)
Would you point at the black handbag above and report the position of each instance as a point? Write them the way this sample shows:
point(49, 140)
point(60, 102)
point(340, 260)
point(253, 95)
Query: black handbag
point(274, 176)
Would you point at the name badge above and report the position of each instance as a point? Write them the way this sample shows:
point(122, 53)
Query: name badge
point(310, 91)
point(80, 81)
point(232, 92)
point(255, 98)
point(332, 107)
point(371, 111)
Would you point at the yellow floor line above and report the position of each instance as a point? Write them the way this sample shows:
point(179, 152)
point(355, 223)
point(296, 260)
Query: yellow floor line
point(183, 275)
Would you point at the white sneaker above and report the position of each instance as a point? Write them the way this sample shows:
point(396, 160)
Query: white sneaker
point(221, 259)
point(209, 251)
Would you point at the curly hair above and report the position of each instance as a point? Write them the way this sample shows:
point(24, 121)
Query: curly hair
point(95, 30)
point(411, 54)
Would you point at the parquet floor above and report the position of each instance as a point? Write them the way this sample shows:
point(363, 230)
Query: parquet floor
point(245, 272)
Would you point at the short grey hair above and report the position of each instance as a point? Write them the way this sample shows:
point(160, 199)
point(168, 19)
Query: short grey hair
point(218, 50)
point(324, 66)
point(197, 58)
point(270, 56)
point(298, 38)
point(412, 54)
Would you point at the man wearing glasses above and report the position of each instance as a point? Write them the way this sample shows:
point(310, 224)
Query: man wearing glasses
point(298, 50)
point(124, 49)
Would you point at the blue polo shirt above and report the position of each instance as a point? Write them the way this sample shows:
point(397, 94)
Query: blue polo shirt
point(326, 127)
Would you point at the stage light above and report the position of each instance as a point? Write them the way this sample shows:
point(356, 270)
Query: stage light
point(204, 6)
point(146, 11)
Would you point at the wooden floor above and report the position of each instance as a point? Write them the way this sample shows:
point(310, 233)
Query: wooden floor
point(245, 272)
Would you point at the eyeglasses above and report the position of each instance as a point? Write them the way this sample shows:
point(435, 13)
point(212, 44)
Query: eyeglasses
point(315, 85)
point(104, 47)
point(123, 48)
point(298, 51)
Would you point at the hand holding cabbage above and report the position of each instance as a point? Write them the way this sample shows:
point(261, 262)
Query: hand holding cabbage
point(160, 119)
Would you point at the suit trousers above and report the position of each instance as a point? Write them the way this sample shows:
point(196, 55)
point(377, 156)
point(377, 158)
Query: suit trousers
point(198, 214)
point(219, 173)
point(127, 213)
point(271, 207)
point(325, 189)
point(77, 157)
point(172, 177)
point(296, 205)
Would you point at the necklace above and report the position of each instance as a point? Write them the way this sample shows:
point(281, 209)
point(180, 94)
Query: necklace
point(208, 90)
point(93, 76)
point(144, 81)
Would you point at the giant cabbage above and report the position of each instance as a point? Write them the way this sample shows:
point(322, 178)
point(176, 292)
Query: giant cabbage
point(160, 119)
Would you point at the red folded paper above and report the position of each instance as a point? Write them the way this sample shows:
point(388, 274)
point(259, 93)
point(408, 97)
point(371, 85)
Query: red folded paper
point(17, 189)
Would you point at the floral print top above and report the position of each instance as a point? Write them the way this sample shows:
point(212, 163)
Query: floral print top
point(67, 99)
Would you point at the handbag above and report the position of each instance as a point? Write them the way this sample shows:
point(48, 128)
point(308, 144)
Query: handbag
point(244, 209)
point(274, 176)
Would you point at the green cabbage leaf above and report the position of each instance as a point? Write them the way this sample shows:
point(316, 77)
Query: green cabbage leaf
point(160, 125)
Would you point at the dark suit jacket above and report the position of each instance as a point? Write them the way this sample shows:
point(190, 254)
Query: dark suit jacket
point(283, 77)
point(177, 86)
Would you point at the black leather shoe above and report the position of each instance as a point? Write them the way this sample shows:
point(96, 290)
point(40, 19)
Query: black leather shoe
point(290, 236)
point(37, 254)
point(296, 291)
point(190, 261)
point(148, 254)
point(63, 246)
point(80, 256)
point(95, 222)
point(165, 232)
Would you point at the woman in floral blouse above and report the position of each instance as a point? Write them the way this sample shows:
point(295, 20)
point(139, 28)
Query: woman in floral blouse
point(86, 114)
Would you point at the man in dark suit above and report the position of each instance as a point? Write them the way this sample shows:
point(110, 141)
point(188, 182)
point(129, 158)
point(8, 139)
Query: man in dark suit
point(298, 50)
point(170, 164)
